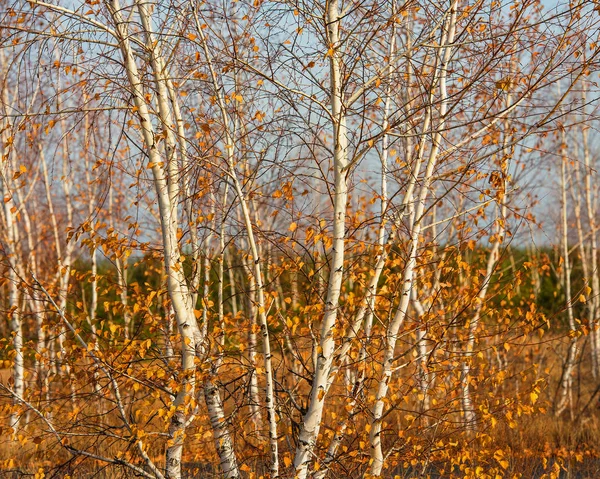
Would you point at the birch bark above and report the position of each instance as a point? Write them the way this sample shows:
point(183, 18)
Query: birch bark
point(10, 245)
point(367, 311)
point(165, 182)
point(311, 421)
point(590, 188)
point(567, 372)
point(443, 59)
point(14, 296)
point(256, 260)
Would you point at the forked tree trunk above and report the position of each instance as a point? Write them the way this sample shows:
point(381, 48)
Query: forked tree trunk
point(367, 311)
point(311, 421)
point(256, 270)
point(416, 211)
point(164, 173)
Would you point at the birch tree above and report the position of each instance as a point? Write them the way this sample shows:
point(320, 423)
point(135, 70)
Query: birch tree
point(319, 195)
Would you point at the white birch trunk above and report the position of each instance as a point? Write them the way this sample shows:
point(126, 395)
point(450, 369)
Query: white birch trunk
point(14, 296)
point(311, 422)
point(257, 270)
point(251, 309)
point(33, 300)
point(221, 279)
point(423, 373)
point(467, 402)
point(220, 425)
point(11, 232)
point(165, 182)
point(565, 382)
point(93, 306)
point(121, 266)
point(232, 287)
point(377, 456)
point(223, 443)
point(65, 262)
point(594, 299)
point(368, 310)
point(57, 246)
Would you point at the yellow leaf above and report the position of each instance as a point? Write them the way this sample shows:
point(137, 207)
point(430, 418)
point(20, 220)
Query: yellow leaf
point(505, 84)
point(293, 227)
point(533, 396)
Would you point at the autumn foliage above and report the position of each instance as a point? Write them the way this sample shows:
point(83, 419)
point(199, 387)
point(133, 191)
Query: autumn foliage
point(259, 239)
